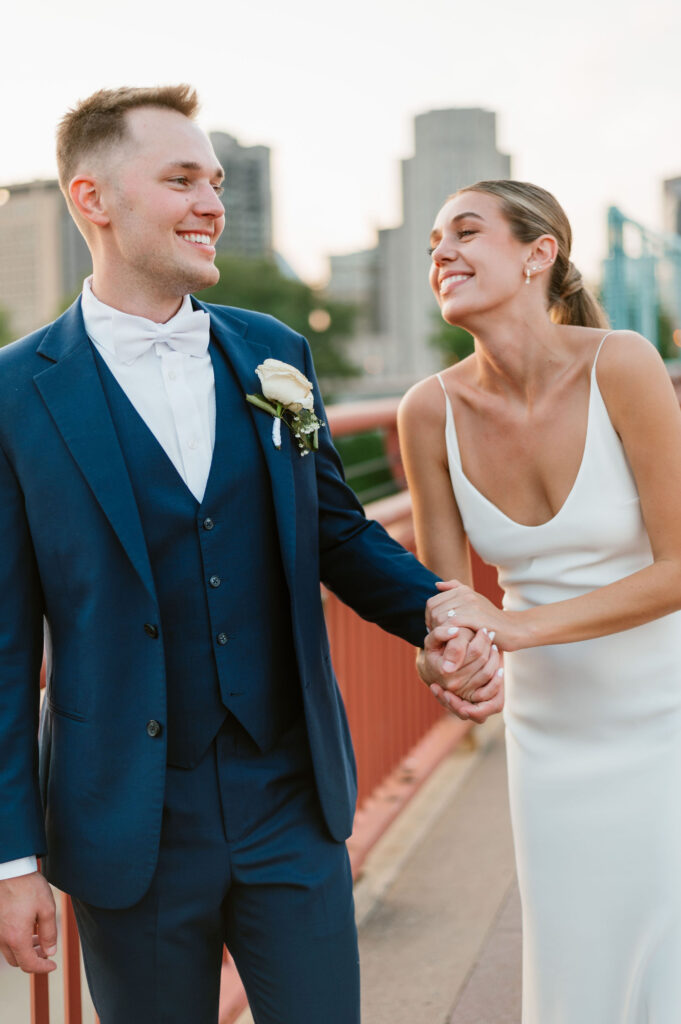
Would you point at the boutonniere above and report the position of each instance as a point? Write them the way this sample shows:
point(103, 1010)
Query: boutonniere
point(288, 397)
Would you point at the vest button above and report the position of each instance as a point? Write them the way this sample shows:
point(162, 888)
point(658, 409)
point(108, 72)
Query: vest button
point(154, 728)
point(222, 639)
point(215, 581)
point(151, 630)
point(208, 523)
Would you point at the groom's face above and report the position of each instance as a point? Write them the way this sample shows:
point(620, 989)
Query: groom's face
point(162, 197)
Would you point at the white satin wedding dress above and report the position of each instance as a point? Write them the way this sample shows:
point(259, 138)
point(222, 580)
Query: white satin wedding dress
point(594, 754)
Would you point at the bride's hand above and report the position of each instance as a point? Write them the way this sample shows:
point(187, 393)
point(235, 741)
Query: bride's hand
point(460, 605)
point(463, 672)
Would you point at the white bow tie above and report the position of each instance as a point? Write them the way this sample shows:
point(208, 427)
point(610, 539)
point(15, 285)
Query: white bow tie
point(133, 335)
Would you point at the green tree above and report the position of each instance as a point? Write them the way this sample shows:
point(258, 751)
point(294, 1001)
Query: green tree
point(454, 343)
point(665, 336)
point(5, 329)
point(259, 284)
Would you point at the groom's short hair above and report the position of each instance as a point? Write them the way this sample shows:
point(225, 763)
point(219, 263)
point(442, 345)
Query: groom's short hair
point(99, 121)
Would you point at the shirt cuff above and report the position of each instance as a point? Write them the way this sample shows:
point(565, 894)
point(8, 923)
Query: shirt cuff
point(21, 866)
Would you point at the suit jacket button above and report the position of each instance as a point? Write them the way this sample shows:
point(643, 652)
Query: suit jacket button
point(208, 523)
point(154, 728)
point(215, 581)
point(151, 630)
point(222, 639)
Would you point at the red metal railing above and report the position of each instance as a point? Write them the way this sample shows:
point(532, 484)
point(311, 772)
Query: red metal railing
point(389, 711)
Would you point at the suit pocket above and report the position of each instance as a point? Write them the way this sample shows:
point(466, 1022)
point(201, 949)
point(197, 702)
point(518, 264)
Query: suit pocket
point(56, 709)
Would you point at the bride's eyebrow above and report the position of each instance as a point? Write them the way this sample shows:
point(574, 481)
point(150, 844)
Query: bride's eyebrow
point(436, 234)
point(462, 216)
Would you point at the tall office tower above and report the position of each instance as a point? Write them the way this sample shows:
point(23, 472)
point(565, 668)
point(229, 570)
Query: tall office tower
point(452, 148)
point(672, 206)
point(247, 197)
point(43, 257)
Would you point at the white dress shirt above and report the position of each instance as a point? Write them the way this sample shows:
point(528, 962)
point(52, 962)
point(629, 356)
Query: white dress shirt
point(173, 392)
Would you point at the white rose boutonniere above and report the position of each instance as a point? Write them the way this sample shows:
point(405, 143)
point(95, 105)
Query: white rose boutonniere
point(288, 397)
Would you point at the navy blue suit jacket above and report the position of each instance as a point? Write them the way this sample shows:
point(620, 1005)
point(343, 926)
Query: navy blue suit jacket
point(75, 575)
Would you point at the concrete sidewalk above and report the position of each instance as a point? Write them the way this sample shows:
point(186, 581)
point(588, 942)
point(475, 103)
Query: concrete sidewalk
point(437, 902)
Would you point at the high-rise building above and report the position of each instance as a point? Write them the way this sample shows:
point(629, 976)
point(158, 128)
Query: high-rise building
point(452, 148)
point(247, 197)
point(43, 257)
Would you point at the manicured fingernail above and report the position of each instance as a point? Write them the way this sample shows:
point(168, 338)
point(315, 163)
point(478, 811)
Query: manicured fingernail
point(451, 613)
point(452, 631)
point(50, 950)
point(485, 630)
point(500, 673)
point(448, 666)
point(494, 647)
point(492, 634)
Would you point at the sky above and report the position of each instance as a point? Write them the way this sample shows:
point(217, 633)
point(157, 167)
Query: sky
point(587, 93)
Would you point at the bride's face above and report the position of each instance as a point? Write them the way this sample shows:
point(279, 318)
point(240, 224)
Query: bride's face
point(477, 264)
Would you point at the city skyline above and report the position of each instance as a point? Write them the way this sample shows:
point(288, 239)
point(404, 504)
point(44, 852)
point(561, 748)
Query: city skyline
point(587, 104)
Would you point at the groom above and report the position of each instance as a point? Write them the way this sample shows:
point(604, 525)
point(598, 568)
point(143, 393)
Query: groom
point(196, 780)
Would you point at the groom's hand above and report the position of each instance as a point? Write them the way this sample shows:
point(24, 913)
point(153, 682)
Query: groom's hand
point(28, 923)
point(463, 672)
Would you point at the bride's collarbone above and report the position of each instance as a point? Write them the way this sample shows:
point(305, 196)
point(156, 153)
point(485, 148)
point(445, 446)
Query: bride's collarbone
point(527, 468)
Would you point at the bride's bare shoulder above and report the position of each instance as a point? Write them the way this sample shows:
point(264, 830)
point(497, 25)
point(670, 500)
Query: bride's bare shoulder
point(425, 401)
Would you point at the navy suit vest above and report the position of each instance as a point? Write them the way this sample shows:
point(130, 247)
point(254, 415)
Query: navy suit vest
point(223, 597)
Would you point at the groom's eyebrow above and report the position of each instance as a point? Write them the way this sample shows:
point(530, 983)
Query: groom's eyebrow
point(192, 165)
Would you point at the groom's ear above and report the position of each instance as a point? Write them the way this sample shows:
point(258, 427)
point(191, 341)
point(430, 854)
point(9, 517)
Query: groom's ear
point(85, 192)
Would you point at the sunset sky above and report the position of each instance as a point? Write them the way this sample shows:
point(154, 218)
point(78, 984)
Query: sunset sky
point(588, 96)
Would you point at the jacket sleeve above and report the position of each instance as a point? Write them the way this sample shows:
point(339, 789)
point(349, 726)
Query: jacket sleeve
point(359, 561)
point(21, 648)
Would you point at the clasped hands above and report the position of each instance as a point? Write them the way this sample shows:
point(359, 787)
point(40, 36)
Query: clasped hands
point(460, 662)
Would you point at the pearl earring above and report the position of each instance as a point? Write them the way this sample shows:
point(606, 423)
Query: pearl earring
point(527, 275)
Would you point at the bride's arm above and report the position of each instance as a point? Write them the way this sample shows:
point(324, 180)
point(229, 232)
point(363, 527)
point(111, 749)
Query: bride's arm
point(645, 413)
point(440, 538)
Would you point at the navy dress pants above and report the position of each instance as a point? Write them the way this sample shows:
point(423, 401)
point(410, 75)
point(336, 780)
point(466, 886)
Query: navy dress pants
point(245, 860)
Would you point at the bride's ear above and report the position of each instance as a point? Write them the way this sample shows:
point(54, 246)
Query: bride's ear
point(543, 254)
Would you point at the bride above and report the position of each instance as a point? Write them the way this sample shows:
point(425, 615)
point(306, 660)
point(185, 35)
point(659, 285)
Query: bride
point(556, 450)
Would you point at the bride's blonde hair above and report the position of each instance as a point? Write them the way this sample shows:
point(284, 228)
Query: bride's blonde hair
point(531, 212)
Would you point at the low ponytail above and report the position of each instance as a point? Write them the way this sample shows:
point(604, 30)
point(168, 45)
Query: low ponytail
point(573, 303)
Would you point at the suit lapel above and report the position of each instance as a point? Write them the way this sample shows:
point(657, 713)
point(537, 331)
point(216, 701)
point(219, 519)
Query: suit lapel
point(72, 392)
point(244, 355)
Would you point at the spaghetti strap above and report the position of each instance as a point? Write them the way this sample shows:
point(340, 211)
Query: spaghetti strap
point(449, 415)
point(598, 350)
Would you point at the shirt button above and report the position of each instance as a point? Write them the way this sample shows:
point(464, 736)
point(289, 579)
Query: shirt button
point(222, 639)
point(193, 444)
point(151, 630)
point(171, 375)
point(215, 581)
point(208, 523)
point(154, 728)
